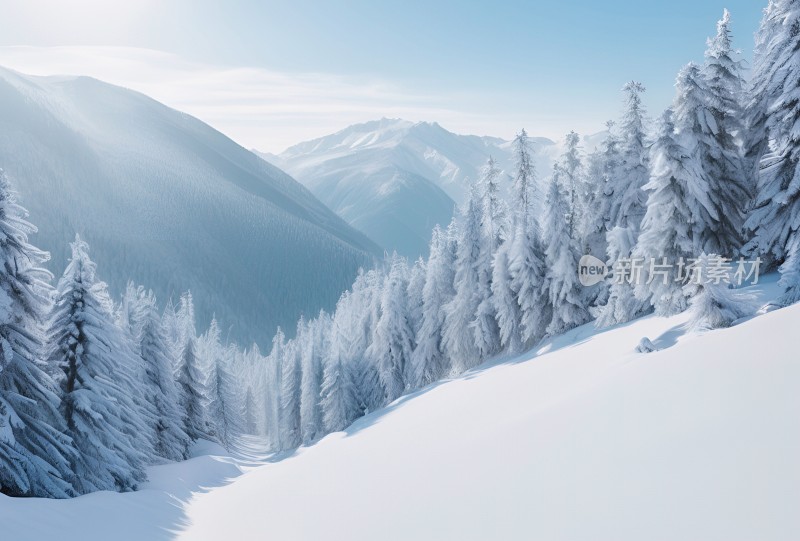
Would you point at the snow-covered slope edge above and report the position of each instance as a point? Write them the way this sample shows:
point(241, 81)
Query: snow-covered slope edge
point(173, 204)
point(582, 440)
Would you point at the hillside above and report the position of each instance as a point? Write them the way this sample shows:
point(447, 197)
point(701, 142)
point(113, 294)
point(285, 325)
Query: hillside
point(169, 202)
point(584, 439)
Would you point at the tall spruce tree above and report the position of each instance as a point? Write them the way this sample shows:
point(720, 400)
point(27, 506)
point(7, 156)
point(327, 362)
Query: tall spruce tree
point(36, 455)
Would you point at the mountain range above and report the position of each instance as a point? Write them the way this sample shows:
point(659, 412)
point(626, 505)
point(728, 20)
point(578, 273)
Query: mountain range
point(394, 179)
point(173, 204)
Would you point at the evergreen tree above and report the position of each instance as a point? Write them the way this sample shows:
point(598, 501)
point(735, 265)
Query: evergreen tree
point(468, 336)
point(429, 360)
point(227, 407)
point(625, 189)
point(35, 455)
point(675, 194)
point(339, 402)
point(161, 389)
point(571, 168)
point(98, 385)
point(761, 91)
point(193, 393)
point(777, 206)
point(708, 117)
point(393, 340)
point(312, 347)
point(290, 436)
point(562, 265)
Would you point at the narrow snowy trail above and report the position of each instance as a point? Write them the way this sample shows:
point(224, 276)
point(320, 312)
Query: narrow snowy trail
point(589, 440)
point(584, 440)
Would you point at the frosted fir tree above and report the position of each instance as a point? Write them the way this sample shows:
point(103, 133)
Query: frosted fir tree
point(467, 337)
point(97, 382)
point(714, 303)
point(603, 173)
point(35, 455)
point(505, 298)
point(732, 187)
point(393, 340)
point(708, 117)
point(572, 177)
point(676, 196)
point(524, 174)
point(312, 351)
point(429, 360)
point(366, 311)
point(160, 387)
point(416, 285)
point(625, 189)
point(227, 408)
point(290, 435)
point(193, 393)
point(339, 402)
point(762, 90)
point(774, 216)
point(562, 266)
point(528, 268)
point(495, 211)
point(273, 384)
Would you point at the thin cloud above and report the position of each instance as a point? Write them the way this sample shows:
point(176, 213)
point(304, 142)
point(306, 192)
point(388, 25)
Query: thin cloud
point(256, 107)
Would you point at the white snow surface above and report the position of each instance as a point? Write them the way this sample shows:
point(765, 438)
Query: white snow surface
point(584, 439)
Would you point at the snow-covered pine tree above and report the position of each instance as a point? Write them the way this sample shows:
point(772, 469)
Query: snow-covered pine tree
point(708, 117)
point(714, 304)
point(675, 193)
point(429, 360)
point(98, 386)
point(529, 282)
point(607, 172)
point(312, 351)
point(495, 211)
point(468, 335)
point(761, 91)
point(338, 402)
point(227, 408)
point(193, 392)
point(273, 387)
point(290, 435)
point(774, 216)
point(572, 178)
point(35, 455)
point(511, 262)
point(562, 266)
point(524, 172)
point(416, 285)
point(625, 189)
point(365, 310)
point(393, 340)
point(160, 387)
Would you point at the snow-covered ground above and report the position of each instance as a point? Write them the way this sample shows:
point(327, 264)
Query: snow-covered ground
point(584, 440)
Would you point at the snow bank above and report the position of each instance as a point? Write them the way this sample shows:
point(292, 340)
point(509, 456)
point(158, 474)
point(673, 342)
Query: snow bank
point(587, 439)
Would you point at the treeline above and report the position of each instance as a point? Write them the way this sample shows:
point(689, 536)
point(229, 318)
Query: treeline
point(712, 181)
point(91, 392)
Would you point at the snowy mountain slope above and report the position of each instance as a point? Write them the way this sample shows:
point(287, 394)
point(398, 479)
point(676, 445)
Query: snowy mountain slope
point(417, 171)
point(171, 203)
point(583, 440)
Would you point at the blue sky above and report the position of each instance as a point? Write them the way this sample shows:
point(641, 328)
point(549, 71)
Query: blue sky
point(479, 67)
